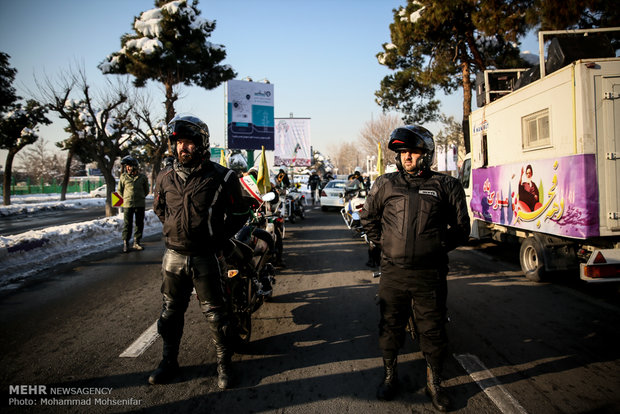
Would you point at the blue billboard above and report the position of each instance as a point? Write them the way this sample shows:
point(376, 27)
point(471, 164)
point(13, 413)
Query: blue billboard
point(250, 115)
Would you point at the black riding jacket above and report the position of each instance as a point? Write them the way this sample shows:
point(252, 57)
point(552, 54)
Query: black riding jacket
point(201, 212)
point(416, 220)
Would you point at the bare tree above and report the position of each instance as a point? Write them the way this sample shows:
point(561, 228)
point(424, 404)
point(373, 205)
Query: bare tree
point(39, 164)
point(56, 94)
point(19, 127)
point(378, 131)
point(99, 123)
point(347, 156)
point(149, 135)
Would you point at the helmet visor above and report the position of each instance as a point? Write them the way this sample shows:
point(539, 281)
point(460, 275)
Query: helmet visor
point(403, 139)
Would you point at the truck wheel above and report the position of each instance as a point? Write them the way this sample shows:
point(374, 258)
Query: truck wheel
point(532, 260)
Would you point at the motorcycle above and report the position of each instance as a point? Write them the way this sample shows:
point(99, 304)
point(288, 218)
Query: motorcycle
point(296, 202)
point(250, 275)
point(354, 199)
point(270, 219)
point(267, 214)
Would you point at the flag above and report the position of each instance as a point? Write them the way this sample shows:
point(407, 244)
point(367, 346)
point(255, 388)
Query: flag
point(380, 167)
point(264, 185)
point(223, 161)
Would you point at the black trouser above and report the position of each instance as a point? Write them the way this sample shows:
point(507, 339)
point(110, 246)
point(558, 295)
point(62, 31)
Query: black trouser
point(425, 291)
point(181, 274)
point(128, 215)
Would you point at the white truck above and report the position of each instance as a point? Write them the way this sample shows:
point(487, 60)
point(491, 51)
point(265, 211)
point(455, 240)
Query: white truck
point(544, 163)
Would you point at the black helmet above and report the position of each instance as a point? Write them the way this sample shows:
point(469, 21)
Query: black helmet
point(414, 137)
point(129, 160)
point(189, 127)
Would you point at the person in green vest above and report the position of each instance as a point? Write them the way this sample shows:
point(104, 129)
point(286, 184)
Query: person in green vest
point(133, 188)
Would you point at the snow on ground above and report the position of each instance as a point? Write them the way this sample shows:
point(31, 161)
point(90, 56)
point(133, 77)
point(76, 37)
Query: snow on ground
point(25, 254)
point(32, 203)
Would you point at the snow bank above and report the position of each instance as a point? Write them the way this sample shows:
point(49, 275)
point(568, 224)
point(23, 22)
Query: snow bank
point(34, 204)
point(24, 255)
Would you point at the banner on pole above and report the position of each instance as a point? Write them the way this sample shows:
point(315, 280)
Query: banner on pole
point(292, 142)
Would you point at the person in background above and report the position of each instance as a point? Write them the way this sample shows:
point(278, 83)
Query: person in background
point(415, 216)
point(201, 207)
point(313, 184)
point(367, 182)
point(357, 175)
point(133, 187)
point(282, 181)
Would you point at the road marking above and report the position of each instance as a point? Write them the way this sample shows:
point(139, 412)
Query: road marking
point(506, 403)
point(141, 344)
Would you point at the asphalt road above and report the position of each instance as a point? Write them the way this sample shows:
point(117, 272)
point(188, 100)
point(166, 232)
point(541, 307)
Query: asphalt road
point(516, 346)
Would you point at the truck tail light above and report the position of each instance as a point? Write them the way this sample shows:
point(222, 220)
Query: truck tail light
point(600, 271)
point(601, 268)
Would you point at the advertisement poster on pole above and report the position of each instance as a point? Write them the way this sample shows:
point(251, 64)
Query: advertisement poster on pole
point(292, 142)
point(250, 115)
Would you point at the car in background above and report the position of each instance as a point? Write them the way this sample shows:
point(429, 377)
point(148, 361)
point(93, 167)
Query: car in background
point(99, 191)
point(332, 195)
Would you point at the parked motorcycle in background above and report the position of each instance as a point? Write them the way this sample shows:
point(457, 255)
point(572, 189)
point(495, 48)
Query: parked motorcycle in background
point(296, 205)
point(354, 198)
point(270, 219)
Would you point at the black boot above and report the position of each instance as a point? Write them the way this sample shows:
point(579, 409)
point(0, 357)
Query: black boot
point(439, 396)
point(165, 372)
point(169, 365)
point(388, 387)
point(223, 372)
point(222, 352)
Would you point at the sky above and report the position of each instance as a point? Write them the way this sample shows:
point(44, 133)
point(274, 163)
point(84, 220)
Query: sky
point(320, 55)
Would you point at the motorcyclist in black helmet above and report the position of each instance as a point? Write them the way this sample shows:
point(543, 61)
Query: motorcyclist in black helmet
point(416, 216)
point(200, 205)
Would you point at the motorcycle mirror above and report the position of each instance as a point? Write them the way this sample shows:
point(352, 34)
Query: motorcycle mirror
point(268, 197)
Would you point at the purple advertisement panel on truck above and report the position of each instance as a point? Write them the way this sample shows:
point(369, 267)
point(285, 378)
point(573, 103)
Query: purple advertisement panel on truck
point(557, 196)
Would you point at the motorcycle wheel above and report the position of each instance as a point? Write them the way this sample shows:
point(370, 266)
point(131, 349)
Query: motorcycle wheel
point(302, 212)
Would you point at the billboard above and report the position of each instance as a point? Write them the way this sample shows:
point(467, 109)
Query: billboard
point(292, 142)
point(250, 115)
point(556, 196)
